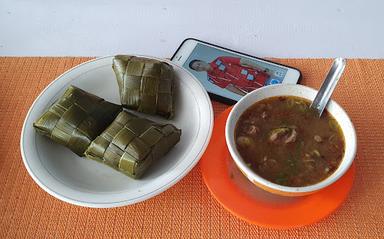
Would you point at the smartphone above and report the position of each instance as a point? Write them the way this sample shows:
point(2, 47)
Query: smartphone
point(228, 75)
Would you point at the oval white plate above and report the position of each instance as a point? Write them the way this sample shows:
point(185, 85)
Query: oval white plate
point(84, 182)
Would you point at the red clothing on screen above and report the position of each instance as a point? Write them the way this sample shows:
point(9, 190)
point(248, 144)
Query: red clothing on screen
point(228, 70)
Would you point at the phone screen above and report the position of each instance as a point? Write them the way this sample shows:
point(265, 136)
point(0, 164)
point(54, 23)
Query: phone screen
point(229, 74)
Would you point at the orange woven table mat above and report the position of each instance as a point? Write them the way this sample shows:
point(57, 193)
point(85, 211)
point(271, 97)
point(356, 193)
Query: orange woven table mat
point(187, 209)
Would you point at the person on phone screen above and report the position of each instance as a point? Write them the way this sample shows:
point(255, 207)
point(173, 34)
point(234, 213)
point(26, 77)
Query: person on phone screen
point(232, 73)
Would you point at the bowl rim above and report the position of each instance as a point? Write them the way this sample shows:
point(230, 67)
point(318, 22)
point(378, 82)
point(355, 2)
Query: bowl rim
point(254, 177)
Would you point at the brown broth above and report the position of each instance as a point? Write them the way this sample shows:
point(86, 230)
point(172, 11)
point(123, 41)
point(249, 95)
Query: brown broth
point(282, 140)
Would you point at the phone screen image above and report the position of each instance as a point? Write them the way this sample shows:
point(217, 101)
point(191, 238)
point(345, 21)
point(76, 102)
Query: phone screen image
point(231, 75)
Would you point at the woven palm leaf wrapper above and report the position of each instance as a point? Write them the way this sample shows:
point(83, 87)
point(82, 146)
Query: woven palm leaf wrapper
point(130, 144)
point(76, 119)
point(145, 85)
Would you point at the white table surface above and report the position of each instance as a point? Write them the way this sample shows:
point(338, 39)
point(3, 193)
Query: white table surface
point(296, 28)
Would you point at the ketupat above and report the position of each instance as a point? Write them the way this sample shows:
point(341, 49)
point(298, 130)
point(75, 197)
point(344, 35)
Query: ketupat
point(145, 85)
point(130, 144)
point(76, 119)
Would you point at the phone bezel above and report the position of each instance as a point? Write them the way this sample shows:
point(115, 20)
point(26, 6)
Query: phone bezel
point(293, 75)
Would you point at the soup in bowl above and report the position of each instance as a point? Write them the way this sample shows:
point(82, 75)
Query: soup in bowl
point(282, 146)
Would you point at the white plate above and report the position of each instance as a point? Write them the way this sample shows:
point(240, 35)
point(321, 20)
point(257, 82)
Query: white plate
point(84, 182)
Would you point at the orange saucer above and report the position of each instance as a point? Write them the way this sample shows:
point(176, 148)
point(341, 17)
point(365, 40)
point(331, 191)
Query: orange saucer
point(239, 196)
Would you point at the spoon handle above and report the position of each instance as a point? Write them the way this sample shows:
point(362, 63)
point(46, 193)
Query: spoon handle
point(328, 85)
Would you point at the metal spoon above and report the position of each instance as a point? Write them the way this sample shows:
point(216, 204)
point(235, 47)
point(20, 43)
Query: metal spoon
point(328, 85)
